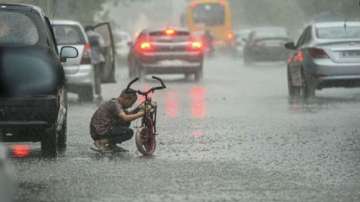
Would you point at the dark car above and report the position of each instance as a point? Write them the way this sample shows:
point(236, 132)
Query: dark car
point(266, 44)
point(33, 104)
point(166, 51)
point(326, 55)
point(7, 176)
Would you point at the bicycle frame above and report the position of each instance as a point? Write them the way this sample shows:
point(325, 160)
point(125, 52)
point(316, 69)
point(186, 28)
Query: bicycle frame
point(146, 144)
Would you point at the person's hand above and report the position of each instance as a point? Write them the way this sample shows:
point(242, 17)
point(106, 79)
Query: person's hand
point(141, 106)
point(149, 108)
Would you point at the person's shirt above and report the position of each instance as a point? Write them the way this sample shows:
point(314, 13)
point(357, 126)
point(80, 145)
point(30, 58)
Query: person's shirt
point(97, 44)
point(106, 116)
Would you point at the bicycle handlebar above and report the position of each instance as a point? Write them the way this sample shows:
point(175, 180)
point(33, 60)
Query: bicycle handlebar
point(163, 86)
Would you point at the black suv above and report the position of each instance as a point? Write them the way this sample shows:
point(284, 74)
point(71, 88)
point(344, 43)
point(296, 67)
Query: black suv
point(33, 105)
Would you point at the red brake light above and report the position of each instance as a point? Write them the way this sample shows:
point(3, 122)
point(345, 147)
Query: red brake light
point(196, 45)
point(20, 151)
point(299, 57)
point(170, 32)
point(86, 57)
point(230, 36)
point(318, 53)
point(145, 46)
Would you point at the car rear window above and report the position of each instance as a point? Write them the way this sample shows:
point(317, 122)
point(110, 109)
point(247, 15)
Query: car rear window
point(271, 33)
point(178, 36)
point(17, 29)
point(68, 35)
point(338, 32)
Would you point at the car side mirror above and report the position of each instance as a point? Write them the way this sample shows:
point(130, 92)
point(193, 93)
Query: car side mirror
point(67, 52)
point(290, 46)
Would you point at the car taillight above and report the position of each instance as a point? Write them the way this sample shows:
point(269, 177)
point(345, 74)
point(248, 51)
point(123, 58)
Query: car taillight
point(86, 57)
point(196, 46)
point(170, 32)
point(144, 46)
point(318, 53)
point(299, 57)
point(20, 151)
point(230, 36)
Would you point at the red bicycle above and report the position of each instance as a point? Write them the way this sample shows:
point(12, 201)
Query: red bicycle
point(145, 138)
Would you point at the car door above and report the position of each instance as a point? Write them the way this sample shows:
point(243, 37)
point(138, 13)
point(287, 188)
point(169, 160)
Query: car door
point(108, 73)
point(296, 61)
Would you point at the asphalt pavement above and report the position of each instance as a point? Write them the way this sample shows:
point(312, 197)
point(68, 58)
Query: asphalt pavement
point(235, 136)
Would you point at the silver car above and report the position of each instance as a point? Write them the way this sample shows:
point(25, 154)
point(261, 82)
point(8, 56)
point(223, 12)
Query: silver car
point(326, 55)
point(79, 71)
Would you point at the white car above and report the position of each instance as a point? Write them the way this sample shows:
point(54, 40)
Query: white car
point(79, 71)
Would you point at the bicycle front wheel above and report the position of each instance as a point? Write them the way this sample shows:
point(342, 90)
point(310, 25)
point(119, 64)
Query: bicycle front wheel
point(145, 140)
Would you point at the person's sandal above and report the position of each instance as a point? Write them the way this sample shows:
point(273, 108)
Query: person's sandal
point(102, 149)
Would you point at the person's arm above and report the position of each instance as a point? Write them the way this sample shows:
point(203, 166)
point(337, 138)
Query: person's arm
point(130, 117)
point(134, 111)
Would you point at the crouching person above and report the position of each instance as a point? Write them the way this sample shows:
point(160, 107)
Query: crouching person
point(110, 124)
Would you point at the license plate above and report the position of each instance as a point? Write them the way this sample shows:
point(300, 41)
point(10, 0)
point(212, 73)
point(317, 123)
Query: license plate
point(171, 63)
point(351, 54)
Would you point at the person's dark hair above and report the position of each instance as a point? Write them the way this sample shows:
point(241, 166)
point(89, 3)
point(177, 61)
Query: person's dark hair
point(129, 93)
point(89, 28)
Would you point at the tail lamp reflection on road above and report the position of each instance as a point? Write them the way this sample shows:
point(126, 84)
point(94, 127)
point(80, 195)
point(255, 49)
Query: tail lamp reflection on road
point(20, 151)
point(197, 133)
point(171, 104)
point(198, 107)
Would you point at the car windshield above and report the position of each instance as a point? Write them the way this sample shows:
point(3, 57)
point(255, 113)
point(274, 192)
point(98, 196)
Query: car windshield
point(68, 35)
point(17, 29)
point(338, 32)
point(210, 14)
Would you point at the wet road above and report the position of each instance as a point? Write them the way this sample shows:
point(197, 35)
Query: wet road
point(232, 137)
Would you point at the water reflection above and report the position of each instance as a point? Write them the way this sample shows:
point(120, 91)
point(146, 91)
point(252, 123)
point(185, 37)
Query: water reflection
point(198, 106)
point(171, 104)
point(197, 133)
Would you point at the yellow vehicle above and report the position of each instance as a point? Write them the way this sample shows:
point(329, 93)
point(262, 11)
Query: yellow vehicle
point(213, 16)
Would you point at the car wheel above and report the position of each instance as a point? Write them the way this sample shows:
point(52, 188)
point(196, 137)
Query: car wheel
point(86, 94)
point(307, 89)
point(199, 75)
point(247, 60)
point(49, 142)
point(61, 142)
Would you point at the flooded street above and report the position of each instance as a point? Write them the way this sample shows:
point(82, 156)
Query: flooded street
point(235, 136)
